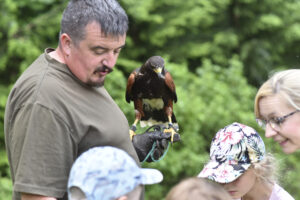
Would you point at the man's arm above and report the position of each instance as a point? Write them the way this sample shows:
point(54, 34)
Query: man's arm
point(26, 196)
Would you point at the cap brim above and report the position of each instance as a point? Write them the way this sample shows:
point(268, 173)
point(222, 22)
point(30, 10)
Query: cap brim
point(151, 176)
point(223, 173)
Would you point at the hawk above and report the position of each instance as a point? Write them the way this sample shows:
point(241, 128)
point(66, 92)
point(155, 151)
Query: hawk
point(152, 89)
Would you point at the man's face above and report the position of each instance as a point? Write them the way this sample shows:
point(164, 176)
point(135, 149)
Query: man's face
point(93, 58)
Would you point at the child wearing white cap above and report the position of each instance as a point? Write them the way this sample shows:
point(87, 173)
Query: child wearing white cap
point(108, 173)
point(238, 161)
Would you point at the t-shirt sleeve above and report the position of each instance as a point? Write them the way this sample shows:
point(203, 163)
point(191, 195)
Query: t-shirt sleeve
point(279, 193)
point(42, 151)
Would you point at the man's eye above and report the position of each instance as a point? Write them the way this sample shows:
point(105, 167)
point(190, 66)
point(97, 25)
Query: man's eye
point(117, 51)
point(99, 52)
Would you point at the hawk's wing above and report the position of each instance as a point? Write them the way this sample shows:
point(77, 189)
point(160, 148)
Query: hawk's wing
point(130, 82)
point(170, 84)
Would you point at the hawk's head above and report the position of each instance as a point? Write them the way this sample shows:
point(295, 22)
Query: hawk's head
point(155, 64)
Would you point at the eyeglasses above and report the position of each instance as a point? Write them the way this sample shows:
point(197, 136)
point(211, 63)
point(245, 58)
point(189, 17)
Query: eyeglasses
point(274, 122)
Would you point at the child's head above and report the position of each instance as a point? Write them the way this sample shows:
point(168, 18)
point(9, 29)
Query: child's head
point(108, 173)
point(262, 172)
point(237, 150)
point(197, 188)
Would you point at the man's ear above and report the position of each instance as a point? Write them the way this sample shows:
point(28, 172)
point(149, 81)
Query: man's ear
point(65, 44)
point(123, 198)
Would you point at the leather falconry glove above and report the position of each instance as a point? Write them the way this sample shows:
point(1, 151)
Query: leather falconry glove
point(143, 143)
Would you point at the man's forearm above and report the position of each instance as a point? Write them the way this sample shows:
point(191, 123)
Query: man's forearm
point(25, 196)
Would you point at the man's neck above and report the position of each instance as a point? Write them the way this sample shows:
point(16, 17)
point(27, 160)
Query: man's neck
point(57, 55)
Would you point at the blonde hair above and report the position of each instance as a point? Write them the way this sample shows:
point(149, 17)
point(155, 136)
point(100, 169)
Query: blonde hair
point(267, 169)
point(197, 189)
point(285, 83)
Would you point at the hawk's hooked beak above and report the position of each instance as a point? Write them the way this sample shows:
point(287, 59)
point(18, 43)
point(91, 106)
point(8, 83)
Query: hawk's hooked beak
point(157, 70)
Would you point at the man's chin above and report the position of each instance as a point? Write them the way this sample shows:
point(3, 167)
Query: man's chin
point(99, 84)
point(96, 84)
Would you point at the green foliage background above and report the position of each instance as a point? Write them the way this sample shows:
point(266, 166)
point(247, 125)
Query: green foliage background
point(218, 51)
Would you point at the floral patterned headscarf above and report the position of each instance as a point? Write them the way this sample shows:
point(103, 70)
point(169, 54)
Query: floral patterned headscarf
point(232, 151)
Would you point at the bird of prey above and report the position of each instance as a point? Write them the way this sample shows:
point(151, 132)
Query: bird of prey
point(152, 90)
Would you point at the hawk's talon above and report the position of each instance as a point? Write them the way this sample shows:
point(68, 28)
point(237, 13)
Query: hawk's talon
point(132, 131)
point(133, 128)
point(131, 134)
point(172, 131)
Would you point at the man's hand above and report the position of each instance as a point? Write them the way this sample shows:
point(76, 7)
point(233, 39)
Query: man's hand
point(143, 142)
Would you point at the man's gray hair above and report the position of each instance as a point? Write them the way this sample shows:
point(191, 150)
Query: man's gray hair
point(108, 14)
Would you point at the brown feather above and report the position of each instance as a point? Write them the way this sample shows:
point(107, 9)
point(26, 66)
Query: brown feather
point(170, 84)
point(130, 82)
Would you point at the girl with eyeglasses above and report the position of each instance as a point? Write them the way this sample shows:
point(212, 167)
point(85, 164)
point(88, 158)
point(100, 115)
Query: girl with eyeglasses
point(277, 106)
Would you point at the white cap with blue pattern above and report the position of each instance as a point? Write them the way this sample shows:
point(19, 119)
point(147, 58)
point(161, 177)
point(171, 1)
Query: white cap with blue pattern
point(107, 173)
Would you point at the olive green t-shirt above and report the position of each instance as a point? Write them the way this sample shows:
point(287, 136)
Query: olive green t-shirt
point(52, 117)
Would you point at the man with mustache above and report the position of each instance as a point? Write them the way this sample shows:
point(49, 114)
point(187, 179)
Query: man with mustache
point(58, 108)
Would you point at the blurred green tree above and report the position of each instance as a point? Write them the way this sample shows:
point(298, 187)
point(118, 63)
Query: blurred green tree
point(265, 34)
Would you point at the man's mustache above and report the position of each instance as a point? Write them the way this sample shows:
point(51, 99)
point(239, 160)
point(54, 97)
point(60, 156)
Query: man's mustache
point(104, 69)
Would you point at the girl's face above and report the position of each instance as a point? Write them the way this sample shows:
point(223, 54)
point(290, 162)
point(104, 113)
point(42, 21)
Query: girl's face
point(241, 185)
point(287, 135)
